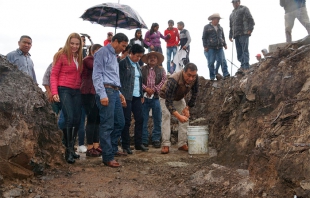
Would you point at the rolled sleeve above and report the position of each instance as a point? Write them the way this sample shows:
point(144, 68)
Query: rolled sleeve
point(99, 65)
point(171, 88)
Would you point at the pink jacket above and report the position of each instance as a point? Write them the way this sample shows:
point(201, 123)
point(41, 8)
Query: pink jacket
point(65, 75)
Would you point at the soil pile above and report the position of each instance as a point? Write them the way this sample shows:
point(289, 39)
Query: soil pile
point(260, 121)
point(29, 138)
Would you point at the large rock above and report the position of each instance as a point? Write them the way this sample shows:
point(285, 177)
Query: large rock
point(29, 138)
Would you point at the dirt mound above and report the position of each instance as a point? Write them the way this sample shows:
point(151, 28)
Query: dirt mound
point(260, 121)
point(29, 138)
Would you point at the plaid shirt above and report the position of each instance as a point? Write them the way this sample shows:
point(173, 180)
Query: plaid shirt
point(151, 81)
point(172, 87)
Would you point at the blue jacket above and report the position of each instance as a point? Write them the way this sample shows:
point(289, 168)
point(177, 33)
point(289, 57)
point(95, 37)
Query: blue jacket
point(213, 39)
point(127, 78)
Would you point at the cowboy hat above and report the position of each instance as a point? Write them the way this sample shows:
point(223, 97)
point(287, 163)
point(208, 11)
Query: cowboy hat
point(215, 15)
point(159, 56)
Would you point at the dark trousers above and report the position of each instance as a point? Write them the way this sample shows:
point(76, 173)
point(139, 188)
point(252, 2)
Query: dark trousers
point(134, 106)
point(93, 119)
point(70, 100)
point(242, 46)
point(111, 124)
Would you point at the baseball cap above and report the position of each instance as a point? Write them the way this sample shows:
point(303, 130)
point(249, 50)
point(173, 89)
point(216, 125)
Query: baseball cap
point(258, 55)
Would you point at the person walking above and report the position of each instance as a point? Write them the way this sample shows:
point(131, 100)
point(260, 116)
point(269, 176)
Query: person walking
point(131, 88)
point(241, 28)
point(108, 97)
point(294, 9)
point(65, 87)
point(213, 42)
point(153, 78)
point(172, 101)
point(172, 43)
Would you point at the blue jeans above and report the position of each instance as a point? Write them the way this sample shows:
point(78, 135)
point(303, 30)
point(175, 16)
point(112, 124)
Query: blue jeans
point(81, 133)
point(111, 124)
point(70, 100)
point(134, 106)
point(173, 51)
point(242, 46)
point(216, 54)
point(153, 104)
point(221, 61)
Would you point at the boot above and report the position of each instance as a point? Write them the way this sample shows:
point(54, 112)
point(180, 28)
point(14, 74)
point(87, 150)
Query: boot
point(74, 134)
point(64, 137)
point(69, 156)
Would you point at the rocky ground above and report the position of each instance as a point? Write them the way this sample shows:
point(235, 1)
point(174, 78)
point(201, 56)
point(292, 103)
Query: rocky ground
point(143, 174)
point(259, 139)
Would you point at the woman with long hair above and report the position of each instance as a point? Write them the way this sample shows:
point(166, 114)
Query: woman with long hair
point(65, 87)
point(89, 103)
point(152, 38)
point(138, 40)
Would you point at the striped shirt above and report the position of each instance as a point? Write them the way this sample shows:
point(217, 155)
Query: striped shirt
point(151, 81)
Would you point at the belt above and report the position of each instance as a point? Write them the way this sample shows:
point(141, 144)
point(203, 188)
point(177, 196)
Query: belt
point(112, 87)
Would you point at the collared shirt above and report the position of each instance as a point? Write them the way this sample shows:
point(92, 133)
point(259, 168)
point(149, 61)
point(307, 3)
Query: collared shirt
point(172, 87)
point(47, 74)
point(151, 80)
point(106, 70)
point(136, 88)
point(23, 62)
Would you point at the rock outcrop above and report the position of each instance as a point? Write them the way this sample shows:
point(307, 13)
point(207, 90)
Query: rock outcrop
point(260, 121)
point(29, 138)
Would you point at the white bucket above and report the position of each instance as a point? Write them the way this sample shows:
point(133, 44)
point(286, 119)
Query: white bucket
point(197, 139)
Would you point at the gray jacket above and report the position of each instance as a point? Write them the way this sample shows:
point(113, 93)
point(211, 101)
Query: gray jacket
point(241, 21)
point(291, 5)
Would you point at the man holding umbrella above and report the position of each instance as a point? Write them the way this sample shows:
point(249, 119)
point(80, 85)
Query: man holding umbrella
point(109, 99)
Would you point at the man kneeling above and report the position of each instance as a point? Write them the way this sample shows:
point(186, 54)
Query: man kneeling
point(172, 102)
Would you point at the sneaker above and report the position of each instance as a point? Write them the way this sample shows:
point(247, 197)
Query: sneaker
point(92, 153)
point(82, 149)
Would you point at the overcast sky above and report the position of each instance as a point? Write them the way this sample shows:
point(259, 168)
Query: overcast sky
point(50, 22)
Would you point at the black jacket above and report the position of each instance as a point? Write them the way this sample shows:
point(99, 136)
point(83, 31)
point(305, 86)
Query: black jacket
point(241, 21)
point(127, 78)
point(213, 39)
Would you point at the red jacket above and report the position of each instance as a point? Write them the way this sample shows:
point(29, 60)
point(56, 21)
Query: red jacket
point(87, 86)
point(174, 37)
point(65, 75)
point(106, 42)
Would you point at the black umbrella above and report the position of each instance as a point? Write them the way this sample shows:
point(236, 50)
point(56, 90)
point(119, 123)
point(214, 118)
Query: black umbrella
point(114, 15)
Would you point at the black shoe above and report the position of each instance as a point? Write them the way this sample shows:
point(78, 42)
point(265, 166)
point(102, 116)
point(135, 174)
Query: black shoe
point(127, 150)
point(227, 76)
point(156, 144)
point(145, 144)
point(141, 147)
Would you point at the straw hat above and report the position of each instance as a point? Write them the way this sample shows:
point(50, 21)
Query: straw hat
point(159, 56)
point(215, 15)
